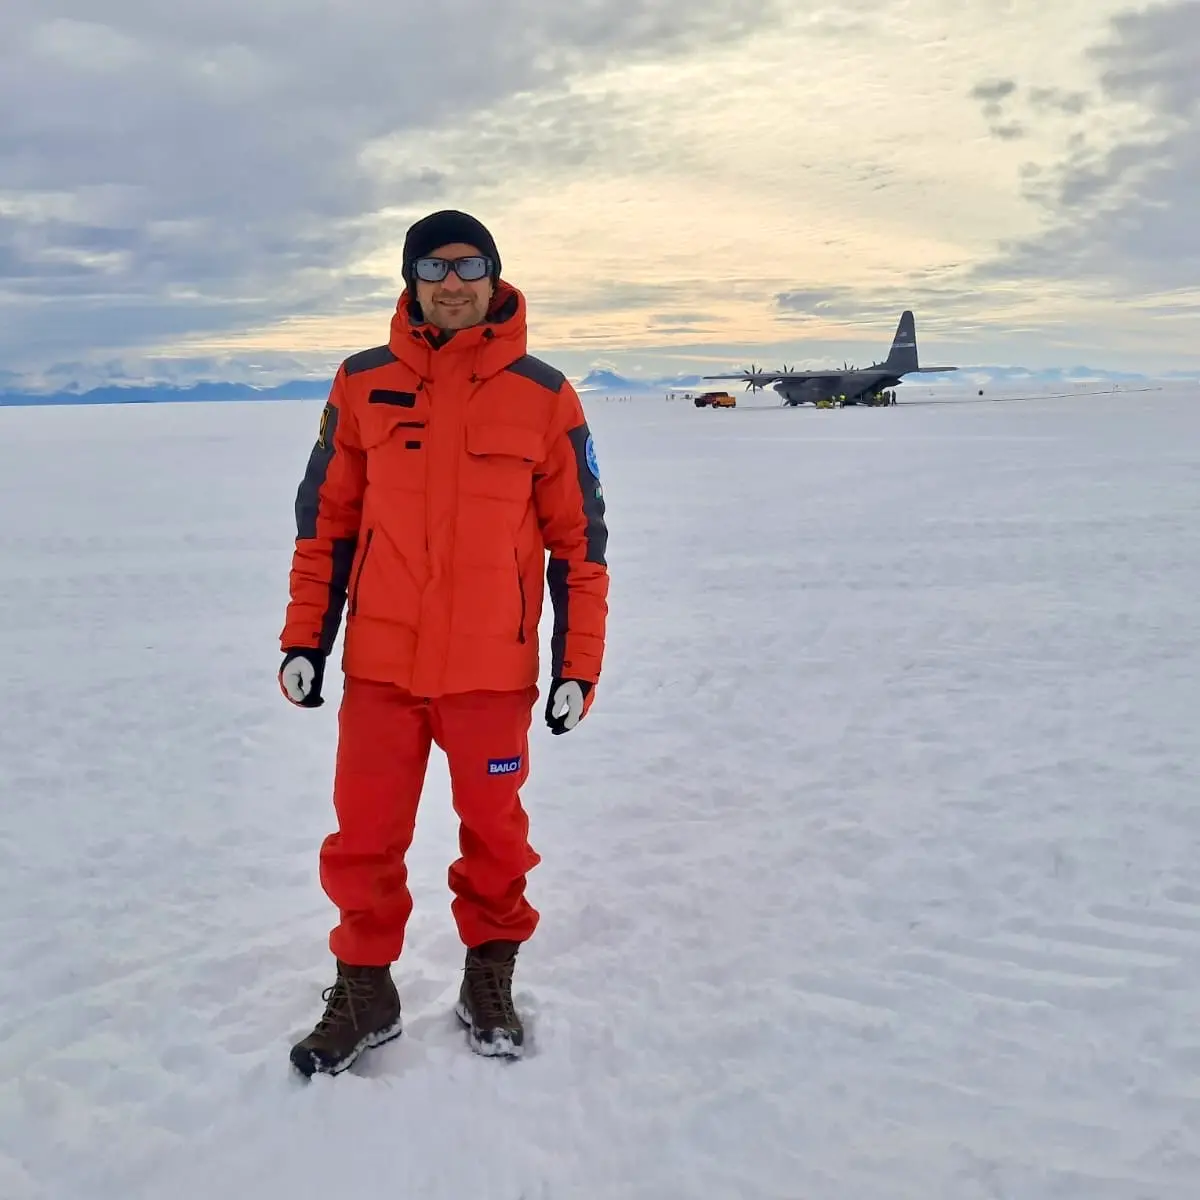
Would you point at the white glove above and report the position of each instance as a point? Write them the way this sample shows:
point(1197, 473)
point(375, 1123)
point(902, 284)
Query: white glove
point(300, 677)
point(564, 709)
point(297, 679)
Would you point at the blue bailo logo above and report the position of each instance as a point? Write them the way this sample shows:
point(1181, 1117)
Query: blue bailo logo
point(504, 766)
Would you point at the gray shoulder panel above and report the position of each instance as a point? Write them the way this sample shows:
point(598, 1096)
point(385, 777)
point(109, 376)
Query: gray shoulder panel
point(541, 373)
point(368, 360)
point(308, 494)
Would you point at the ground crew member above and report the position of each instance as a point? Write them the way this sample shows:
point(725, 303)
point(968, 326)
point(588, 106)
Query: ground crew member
point(447, 463)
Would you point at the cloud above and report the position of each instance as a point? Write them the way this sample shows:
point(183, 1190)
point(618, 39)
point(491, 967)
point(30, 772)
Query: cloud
point(934, 295)
point(208, 164)
point(684, 320)
point(220, 186)
point(808, 300)
point(991, 93)
point(1119, 204)
point(1053, 99)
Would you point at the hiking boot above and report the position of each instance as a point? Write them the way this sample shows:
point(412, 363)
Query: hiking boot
point(485, 1003)
point(362, 1010)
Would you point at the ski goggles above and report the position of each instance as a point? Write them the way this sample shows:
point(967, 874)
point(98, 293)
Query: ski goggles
point(469, 269)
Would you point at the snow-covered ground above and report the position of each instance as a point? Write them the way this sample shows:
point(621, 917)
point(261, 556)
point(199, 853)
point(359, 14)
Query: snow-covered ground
point(874, 873)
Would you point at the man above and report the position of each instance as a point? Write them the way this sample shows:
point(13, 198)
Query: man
point(447, 463)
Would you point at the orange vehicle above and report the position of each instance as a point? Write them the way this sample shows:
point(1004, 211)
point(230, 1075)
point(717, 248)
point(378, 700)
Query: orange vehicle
point(715, 400)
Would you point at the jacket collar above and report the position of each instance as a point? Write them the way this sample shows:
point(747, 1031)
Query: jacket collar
point(500, 339)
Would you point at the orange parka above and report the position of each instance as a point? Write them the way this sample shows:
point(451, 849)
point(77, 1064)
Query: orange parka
point(443, 472)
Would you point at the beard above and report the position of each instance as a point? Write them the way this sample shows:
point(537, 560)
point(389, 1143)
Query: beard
point(455, 310)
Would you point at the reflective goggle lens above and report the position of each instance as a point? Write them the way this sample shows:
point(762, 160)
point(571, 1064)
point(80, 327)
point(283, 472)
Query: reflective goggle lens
point(470, 269)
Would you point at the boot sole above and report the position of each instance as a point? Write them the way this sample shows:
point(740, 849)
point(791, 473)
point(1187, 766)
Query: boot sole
point(304, 1062)
point(500, 1049)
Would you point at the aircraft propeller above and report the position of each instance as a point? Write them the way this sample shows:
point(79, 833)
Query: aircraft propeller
point(752, 381)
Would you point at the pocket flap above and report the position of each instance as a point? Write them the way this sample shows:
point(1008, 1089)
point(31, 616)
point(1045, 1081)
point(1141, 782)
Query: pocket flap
point(511, 440)
point(375, 426)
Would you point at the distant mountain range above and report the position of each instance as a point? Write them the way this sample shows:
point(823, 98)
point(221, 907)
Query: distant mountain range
point(597, 382)
point(296, 389)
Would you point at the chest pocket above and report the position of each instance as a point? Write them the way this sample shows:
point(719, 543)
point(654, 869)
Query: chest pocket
point(500, 460)
point(393, 438)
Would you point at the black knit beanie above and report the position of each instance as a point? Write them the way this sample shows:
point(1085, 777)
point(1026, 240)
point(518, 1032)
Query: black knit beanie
point(441, 229)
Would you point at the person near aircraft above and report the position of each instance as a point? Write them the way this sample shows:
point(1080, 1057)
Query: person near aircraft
point(447, 463)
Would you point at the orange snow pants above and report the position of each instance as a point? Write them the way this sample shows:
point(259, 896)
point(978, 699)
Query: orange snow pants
point(384, 740)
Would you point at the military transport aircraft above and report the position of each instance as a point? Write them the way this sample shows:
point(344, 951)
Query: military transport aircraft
point(850, 384)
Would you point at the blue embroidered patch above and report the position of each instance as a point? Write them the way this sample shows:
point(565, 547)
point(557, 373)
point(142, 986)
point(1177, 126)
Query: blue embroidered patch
point(504, 766)
point(589, 453)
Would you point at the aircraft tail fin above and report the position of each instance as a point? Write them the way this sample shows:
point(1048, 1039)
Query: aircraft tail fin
point(903, 355)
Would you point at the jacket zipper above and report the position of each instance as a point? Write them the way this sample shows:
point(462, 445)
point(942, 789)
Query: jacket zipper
point(362, 562)
point(521, 589)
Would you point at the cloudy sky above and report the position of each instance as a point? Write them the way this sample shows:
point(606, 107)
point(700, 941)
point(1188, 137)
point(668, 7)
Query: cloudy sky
point(220, 188)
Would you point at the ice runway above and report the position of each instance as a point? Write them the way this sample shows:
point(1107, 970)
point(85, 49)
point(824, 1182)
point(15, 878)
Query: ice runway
point(873, 873)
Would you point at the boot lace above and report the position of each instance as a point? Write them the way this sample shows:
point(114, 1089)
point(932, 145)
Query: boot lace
point(490, 985)
point(344, 1000)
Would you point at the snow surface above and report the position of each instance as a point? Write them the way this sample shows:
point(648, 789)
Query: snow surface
point(874, 873)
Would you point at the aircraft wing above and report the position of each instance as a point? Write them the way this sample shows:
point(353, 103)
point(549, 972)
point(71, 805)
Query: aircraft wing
point(764, 377)
point(747, 377)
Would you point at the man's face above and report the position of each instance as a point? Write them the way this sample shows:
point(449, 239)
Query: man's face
point(454, 303)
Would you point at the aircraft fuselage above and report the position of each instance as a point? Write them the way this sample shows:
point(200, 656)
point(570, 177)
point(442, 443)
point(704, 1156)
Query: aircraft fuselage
point(856, 386)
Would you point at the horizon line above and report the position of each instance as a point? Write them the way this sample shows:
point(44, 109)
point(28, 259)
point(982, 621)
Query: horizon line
point(680, 378)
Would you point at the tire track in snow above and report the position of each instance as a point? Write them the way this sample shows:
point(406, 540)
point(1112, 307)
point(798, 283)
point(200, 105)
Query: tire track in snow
point(1023, 1113)
point(1116, 948)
